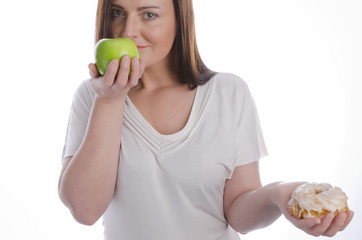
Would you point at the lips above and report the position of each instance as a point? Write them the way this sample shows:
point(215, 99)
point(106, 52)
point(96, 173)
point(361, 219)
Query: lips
point(140, 47)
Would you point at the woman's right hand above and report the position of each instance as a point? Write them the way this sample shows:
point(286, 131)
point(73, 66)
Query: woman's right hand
point(111, 88)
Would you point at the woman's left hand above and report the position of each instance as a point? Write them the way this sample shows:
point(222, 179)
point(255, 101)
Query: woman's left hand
point(328, 225)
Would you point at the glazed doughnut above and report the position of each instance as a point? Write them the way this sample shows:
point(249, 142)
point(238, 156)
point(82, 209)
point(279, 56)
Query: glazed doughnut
point(316, 200)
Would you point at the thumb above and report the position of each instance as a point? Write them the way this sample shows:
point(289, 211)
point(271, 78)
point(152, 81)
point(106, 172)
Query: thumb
point(93, 71)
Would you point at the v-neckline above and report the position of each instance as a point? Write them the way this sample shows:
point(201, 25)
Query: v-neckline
point(164, 142)
point(136, 113)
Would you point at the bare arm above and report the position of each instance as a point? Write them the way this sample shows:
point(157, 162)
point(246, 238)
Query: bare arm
point(88, 179)
point(249, 206)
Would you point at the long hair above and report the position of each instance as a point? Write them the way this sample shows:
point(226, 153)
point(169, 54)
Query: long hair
point(186, 59)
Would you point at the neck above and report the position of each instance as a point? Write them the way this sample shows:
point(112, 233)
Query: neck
point(159, 75)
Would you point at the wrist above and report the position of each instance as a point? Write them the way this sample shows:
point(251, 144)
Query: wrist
point(100, 100)
point(111, 109)
point(277, 193)
point(282, 193)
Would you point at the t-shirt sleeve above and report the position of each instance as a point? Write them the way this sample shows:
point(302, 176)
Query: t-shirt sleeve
point(250, 144)
point(78, 118)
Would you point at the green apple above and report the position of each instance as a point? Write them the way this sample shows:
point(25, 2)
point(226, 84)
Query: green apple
point(108, 49)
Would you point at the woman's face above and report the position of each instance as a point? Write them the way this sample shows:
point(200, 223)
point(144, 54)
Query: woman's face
point(151, 24)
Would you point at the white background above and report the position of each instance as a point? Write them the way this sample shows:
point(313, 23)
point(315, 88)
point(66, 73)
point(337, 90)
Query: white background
point(301, 58)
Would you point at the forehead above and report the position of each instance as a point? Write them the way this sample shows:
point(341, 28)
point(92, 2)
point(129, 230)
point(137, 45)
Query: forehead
point(142, 3)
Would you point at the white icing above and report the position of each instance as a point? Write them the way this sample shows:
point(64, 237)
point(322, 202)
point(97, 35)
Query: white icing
point(318, 196)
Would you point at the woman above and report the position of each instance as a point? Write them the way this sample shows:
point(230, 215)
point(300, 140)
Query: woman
point(171, 149)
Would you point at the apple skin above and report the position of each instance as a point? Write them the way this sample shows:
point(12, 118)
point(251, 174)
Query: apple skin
point(108, 49)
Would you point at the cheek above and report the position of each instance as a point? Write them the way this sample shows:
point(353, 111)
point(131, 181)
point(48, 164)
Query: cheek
point(117, 28)
point(164, 35)
point(170, 34)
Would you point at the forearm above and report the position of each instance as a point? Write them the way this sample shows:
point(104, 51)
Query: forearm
point(102, 139)
point(254, 209)
point(88, 181)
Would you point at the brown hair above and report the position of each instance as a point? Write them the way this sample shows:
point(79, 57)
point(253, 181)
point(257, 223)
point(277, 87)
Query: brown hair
point(187, 61)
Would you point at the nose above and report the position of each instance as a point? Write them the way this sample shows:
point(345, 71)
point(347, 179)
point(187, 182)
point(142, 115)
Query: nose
point(131, 28)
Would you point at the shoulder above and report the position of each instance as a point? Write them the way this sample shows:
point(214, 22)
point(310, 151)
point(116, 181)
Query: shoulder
point(228, 80)
point(229, 84)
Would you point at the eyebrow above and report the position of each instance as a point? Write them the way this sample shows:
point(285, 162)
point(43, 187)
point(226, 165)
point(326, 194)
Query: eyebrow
point(138, 9)
point(147, 7)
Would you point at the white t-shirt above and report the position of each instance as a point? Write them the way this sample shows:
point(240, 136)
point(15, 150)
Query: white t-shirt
point(171, 186)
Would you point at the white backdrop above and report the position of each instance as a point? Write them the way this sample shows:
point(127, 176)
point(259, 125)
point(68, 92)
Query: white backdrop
point(301, 58)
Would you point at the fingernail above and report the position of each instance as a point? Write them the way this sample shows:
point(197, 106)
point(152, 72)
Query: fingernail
point(126, 57)
point(135, 60)
point(114, 62)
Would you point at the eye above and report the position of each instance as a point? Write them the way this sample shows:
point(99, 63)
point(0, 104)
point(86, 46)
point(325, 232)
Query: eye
point(149, 15)
point(118, 13)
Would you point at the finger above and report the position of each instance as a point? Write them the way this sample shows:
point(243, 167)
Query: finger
point(93, 71)
point(134, 75)
point(321, 228)
point(123, 71)
point(309, 223)
point(348, 219)
point(306, 224)
point(336, 225)
point(110, 74)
